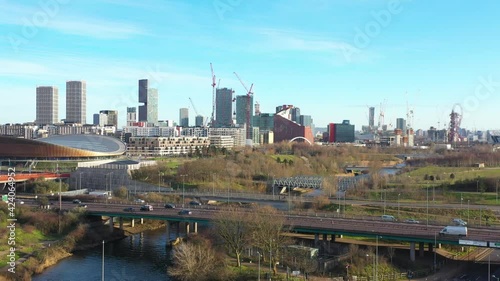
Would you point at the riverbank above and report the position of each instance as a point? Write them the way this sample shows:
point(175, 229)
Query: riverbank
point(83, 237)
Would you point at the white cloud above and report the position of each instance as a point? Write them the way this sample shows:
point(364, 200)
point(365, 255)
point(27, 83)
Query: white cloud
point(59, 18)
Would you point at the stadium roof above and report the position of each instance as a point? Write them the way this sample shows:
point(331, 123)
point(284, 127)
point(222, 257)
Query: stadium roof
point(61, 146)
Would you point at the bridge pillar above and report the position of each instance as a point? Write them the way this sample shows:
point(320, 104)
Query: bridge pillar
point(195, 227)
point(332, 238)
point(421, 248)
point(111, 223)
point(325, 237)
point(316, 239)
point(340, 235)
point(178, 226)
point(167, 228)
point(187, 228)
point(120, 219)
point(412, 251)
point(132, 223)
point(142, 221)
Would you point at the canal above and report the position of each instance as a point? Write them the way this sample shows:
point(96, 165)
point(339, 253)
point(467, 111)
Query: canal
point(138, 257)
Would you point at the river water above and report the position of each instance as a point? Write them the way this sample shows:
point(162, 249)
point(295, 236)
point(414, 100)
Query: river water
point(138, 257)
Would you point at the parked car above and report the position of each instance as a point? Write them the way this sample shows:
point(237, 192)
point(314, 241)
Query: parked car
point(185, 212)
point(146, 208)
point(459, 222)
point(169, 206)
point(412, 221)
point(194, 203)
point(77, 201)
point(128, 209)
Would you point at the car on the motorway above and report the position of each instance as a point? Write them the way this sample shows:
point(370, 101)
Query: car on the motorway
point(388, 218)
point(140, 201)
point(77, 201)
point(194, 203)
point(128, 209)
point(185, 212)
point(81, 205)
point(19, 201)
point(412, 221)
point(169, 206)
point(146, 208)
point(459, 222)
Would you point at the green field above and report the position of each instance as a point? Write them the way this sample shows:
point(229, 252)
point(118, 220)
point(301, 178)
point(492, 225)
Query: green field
point(461, 173)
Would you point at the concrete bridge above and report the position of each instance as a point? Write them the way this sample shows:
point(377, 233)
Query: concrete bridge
point(323, 227)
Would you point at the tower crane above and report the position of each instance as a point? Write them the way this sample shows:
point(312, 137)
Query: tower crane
point(196, 111)
point(212, 119)
point(249, 100)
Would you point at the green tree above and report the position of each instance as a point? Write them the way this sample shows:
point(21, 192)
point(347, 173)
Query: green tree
point(121, 192)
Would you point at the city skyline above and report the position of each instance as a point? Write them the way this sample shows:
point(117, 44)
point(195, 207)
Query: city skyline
point(349, 57)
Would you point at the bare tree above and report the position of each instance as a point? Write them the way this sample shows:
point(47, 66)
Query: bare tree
point(391, 251)
point(267, 226)
point(233, 227)
point(193, 262)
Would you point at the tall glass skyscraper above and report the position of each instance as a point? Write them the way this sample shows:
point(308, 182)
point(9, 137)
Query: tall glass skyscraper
point(76, 102)
point(184, 117)
point(149, 96)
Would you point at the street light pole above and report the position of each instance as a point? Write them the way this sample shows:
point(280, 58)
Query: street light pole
point(102, 269)
point(435, 248)
point(183, 179)
point(376, 259)
point(427, 206)
point(461, 200)
point(468, 210)
point(270, 256)
point(258, 278)
point(398, 204)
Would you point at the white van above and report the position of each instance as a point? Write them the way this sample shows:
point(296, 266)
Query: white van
point(454, 230)
point(388, 218)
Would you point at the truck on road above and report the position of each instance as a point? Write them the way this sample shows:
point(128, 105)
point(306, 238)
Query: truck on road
point(454, 230)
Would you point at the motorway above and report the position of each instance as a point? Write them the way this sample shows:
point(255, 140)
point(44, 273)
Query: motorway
point(308, 223)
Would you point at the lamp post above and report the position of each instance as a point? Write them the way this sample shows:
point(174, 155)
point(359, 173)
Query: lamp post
point(345, 194)
point(376, 259)
point(159, 180)
point(80, 184)
point(461, 200)
point(468, 210)
point(258, 278)
point(102, 270)
point(213, 184)
point(427, 206)
point(270, 256)
point(497, 190)
point(373, 265)
point(399, 194)
point(435, 248)
point(108, 192)
point(183, 179)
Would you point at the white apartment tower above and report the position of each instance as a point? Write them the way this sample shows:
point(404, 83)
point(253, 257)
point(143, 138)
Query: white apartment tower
point(76, 102)
point(47, 105)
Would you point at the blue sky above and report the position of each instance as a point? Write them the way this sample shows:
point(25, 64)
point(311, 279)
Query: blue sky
point(332, 59)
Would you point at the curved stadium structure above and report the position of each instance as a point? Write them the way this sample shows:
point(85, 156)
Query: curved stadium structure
point(62, 147)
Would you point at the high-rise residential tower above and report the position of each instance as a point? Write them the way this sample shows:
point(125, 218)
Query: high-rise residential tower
point(112, 117)
point(401, 124)
point(241, 109)
point(149, 96)
point(131, 116)
point(47, 105)
point(224, 107)
point(76, 102)
point(371, 118)
point(184, 117)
